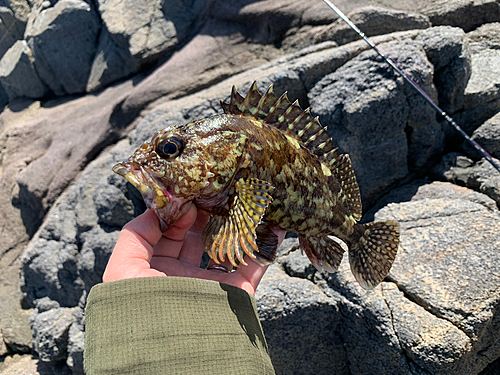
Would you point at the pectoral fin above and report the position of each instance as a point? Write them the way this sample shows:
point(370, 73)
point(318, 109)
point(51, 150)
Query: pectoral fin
point(234, 234)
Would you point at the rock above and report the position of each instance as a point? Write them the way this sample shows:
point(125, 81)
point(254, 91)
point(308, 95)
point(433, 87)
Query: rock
point(18, 75)
point(482, 94)
point(13, 17)
point(137, 34)
point(18, 365)
point(448, 50)
point(3, 347)
point(291, 309)
point(487, 136)
point(111, 63)
point(373, 21)
point(50, 333)
point(63, 39)
point(480, 176)
point(440, 269)
point(76, 341)
point(465, 14)
point(54, 156)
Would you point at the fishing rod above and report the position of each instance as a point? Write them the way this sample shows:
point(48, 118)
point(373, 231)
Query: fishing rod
point(409, 79)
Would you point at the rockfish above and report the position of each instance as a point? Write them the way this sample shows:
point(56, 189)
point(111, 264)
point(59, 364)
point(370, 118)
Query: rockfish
point(264, 161)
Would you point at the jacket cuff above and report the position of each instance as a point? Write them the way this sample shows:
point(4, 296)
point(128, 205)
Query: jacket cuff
point(179, 324)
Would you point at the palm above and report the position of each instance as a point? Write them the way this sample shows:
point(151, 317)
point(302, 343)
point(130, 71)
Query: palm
point(143, 251)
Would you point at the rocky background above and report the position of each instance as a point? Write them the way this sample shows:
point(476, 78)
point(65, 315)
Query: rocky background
point(82, 83)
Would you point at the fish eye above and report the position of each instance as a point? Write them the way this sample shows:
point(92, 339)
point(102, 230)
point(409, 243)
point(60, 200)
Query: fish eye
point(170, 148)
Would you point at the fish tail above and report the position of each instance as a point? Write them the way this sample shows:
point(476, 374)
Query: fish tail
point(373, 251)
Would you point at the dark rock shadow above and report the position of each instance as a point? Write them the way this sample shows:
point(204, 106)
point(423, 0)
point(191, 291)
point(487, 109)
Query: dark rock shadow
point(307, 341)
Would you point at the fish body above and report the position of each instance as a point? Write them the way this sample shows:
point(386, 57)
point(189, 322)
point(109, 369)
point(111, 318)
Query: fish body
point(263, 162)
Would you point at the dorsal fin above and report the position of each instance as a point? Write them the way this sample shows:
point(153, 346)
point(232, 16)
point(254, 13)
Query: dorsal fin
point(291, 119)
point(282, 114)
point(341, 168)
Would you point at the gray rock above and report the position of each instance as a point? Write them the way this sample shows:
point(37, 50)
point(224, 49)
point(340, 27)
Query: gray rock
point(291, 310)
point(50, 333)
point(462, 13)
point(18, 75)
point(448, 50)
point(55, 156)
point(488, 136)
point(4, 98)
point(373, 21)
point(111, 63)
point(482, 94)
point(13, 17)
point(480, 176)
point(136, 34)
point(3, 347)
point(63, 39)
point(440, 269)
point(76, 342)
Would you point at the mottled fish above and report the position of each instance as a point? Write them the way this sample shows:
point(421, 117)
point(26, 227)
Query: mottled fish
point(264, 161)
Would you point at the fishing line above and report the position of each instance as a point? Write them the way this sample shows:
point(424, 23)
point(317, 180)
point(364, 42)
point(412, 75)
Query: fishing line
point(409, 79)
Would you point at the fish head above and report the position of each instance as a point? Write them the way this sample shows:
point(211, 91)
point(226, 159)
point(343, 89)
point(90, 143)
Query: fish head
point(182, 164)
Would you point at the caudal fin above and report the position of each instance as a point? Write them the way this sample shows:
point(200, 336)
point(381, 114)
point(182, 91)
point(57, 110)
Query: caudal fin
point(372, 256)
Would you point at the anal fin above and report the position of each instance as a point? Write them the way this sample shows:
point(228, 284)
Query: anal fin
point(323, 251)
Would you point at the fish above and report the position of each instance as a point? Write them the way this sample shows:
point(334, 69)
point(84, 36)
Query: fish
point(263, 162)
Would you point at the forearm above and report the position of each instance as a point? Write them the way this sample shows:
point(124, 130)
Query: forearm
point(165, 325)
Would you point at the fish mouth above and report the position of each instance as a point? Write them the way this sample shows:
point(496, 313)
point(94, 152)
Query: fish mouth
point(153, 194)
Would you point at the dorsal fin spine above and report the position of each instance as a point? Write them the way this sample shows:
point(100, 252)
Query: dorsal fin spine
point(263, 100)
point(314, 136)
point(322, 145)
point(292, 125)
point(307, 127)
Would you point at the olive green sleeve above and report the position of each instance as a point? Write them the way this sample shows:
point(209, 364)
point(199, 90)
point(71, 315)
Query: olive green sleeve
point(173, 325)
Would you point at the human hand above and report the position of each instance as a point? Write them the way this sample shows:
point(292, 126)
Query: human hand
point(142, 250)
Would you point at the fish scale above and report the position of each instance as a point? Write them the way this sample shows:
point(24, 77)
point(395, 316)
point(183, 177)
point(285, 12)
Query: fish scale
point(264, 162)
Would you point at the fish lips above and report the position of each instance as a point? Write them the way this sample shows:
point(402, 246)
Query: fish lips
point(165, 204)
point(154, 196)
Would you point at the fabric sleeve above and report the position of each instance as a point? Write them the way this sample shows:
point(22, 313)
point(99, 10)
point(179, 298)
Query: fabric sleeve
point(173, 325)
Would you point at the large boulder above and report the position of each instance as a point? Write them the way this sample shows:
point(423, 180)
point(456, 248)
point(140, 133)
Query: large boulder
point(13, 17)
point(18, 76)
point(136, 34)
point(63, 40)
point(482, 93)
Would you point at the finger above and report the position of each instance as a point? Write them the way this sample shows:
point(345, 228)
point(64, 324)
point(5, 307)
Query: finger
point(192, 251)
point(172, 241)
point(134, 247)
point(178, 230)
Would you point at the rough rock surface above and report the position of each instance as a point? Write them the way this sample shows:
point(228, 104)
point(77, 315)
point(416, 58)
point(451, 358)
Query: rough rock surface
point(482, 94)
point(417, 322)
